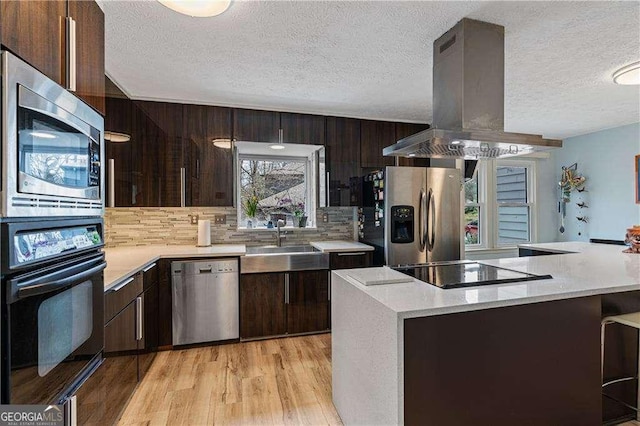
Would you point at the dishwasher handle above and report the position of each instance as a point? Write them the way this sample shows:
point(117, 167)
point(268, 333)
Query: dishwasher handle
point(205, 271)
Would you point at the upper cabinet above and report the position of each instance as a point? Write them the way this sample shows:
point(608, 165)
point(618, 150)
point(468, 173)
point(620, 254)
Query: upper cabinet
point(374, 137)
point(209, 168)
point(302, 128)
point(256, 126)
point(89, 62)
point(343, 153)
point(36, 32)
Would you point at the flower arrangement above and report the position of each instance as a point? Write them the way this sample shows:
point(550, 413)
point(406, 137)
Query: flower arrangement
point(251, 206)
point(298, 209)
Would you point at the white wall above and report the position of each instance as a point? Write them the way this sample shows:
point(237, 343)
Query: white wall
point(606, 159)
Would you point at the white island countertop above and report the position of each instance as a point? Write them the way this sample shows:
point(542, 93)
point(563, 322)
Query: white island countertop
point(340, 246)
point(584, 269)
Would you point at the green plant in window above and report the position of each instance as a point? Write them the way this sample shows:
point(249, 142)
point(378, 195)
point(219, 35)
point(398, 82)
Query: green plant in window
point(298, 209)
point(251, 206)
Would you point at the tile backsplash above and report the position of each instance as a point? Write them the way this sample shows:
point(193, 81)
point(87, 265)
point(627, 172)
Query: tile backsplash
point(139, 226)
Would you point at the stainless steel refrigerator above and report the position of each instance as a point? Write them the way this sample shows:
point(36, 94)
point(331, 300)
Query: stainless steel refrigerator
point(421, 215)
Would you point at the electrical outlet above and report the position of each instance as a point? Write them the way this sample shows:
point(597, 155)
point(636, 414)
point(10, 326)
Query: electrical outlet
point(194, 219)
point(325, 217)
point(220, 219)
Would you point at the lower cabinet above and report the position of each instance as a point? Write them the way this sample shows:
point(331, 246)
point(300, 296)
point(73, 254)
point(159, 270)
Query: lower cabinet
point(150, 317)
point(262, 305)
point(275, 304)
point(307, 301)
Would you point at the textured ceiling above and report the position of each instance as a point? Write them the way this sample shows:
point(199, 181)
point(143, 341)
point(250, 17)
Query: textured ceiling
point(373, 59)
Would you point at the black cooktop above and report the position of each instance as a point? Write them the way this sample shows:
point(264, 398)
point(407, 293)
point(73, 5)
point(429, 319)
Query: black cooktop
point(466, 274)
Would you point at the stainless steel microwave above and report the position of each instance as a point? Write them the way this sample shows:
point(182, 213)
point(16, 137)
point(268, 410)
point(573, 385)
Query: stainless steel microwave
point(52, 147)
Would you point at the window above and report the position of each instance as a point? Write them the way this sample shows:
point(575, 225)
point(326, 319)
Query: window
point(499, 204)
point(272, 189)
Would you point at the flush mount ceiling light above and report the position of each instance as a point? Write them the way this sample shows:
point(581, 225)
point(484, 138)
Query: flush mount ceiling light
point(223, 143)
point(197, 8)
point(629, 74)
point(116, 137)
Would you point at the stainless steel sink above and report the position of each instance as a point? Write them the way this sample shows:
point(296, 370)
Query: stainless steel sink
point(282, 259)
point(284, 249)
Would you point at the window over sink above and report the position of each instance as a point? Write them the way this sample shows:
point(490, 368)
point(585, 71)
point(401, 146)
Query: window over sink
point(278, 185)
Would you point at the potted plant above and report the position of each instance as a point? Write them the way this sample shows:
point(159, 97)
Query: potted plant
point(299, 218)
point(250, 209)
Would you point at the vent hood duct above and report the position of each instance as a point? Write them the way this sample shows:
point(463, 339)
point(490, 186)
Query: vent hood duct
point(468, 101)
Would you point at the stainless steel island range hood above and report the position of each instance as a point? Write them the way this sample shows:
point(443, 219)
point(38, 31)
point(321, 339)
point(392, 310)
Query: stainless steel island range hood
point(468, 101)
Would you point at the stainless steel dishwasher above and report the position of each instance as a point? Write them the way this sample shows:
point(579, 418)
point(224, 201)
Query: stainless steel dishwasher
point(205, 301)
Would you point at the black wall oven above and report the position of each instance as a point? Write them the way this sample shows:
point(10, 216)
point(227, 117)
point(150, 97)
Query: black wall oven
point(52, 308)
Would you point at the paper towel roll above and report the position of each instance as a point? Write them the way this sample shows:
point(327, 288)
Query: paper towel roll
point(204, 233)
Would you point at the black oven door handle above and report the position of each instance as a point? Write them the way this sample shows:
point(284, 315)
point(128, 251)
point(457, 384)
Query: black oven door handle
point(49, 283)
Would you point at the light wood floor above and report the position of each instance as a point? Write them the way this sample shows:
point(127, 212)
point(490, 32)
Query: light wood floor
point(281, 381)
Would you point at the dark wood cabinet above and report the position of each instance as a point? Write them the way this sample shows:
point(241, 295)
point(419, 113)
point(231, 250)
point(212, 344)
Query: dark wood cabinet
point(34, 31)
point(89, 52)
point(407, 129)
point(262, 305)
point(343, 154)
point(308, 301)
point(209, 169)
point(351, 260)
point(119, 119)
point(160, 155)
point(302, 128)
point(374, 137)
point(256, 126)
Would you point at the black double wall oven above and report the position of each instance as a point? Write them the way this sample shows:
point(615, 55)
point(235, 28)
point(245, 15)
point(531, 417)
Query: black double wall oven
point(52, 308)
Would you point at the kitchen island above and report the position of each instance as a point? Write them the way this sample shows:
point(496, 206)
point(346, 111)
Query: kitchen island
point(516, 353)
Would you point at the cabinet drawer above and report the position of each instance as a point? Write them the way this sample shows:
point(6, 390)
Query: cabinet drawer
point(350, 260)
point(121, 295)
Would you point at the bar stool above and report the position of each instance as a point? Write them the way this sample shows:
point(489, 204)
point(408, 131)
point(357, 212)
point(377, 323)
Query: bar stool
point(630, 320)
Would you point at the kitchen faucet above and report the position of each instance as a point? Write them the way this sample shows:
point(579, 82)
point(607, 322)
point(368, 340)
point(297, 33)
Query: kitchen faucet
point(279, 237)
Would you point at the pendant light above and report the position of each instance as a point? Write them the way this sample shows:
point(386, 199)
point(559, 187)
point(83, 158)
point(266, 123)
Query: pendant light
point(224, 143)
point(116, 137)
point(280, 144)
point(197, 8)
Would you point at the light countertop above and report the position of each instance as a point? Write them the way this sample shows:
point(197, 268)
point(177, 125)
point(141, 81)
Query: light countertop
point(341, 246)
point(122, 262)
point(586, 269)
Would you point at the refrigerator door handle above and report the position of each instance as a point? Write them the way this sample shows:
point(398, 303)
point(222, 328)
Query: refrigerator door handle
point(432, 226)
point(421, 221)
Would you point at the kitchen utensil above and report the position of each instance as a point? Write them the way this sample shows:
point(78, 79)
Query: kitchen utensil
point(563, 212)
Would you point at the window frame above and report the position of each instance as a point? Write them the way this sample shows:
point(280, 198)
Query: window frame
point(310, 196)
point(487, 192)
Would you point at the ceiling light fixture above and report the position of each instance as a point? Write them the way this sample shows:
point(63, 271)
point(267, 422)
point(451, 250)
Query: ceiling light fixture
point(629, 74)
point(116, 137)
point(279, 145)
point(224, 143)
point(197, 8)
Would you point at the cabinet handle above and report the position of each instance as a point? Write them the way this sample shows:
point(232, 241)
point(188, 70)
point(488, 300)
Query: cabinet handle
point(329, 281)
point(72, 62)
point(359, 253)
point(121, 285)
point(112, 182)
point(148, 268)
point(139, 316)
point(286, 289)
point(183, 184)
